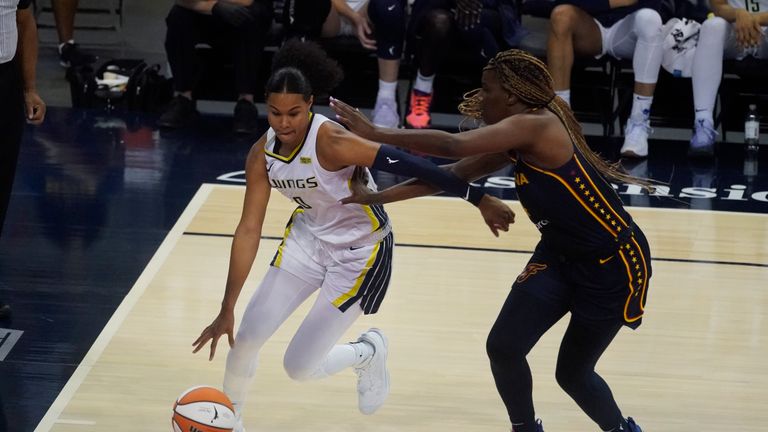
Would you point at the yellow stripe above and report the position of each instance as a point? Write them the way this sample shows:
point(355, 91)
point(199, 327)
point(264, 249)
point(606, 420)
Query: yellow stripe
point(279, 258)
point(359, 281)
point(598, 191)
point(578, 198)
point(631, 289)
point(645, 273)
point(367, 209)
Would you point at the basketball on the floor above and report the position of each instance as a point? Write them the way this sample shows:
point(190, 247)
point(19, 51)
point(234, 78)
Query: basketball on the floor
point(203, 409)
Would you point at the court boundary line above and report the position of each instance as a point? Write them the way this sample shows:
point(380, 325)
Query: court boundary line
point(66, 394)
point(498, 250)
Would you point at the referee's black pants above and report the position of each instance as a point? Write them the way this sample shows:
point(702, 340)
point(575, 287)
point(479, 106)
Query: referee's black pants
point(11, 127)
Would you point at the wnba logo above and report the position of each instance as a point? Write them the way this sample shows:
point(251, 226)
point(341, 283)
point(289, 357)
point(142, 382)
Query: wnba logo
point(530, 270)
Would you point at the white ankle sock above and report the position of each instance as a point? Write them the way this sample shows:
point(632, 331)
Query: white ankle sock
point(386, 90)
point(423, 83)
point(564, 95)
point(641, 106)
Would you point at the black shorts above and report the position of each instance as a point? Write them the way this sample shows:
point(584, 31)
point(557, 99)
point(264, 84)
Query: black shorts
point(611, 287)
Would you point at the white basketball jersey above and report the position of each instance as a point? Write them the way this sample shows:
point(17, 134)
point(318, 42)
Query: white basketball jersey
point(317, 192)
point(751, 6)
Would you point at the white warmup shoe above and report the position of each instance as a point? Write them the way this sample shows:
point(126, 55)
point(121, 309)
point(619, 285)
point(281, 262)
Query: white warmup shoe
point(373, 376)
point(636, 138)
point(238, 425)
point(385, 113)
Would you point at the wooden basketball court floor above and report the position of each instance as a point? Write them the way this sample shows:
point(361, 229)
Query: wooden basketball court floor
point(697, 363)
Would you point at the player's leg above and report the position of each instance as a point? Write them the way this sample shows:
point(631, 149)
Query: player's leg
point(355, 284)
point(583, 344)
point(278, 295)
point(706, 76)
point(639, 37)
point(388, 18)
point(572, 32)
point(538, 299)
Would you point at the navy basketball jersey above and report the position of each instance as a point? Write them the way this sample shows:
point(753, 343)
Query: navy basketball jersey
point(576, 210)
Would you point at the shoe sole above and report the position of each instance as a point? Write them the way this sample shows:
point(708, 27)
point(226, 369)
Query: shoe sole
point(631, 154)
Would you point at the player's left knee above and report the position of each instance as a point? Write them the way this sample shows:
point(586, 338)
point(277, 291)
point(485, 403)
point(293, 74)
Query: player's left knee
point(648, 25)
point(298, 369)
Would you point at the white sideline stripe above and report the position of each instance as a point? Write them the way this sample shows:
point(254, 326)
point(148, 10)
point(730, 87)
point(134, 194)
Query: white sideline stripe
point(76, 422)
point(52, 416)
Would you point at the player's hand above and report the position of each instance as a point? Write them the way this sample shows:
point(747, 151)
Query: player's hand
point(352, 118)
point(467, 13)
point(363, 26)
point(497, 215)
point(361, 193)
point(747, 29)
point(35, 107)
point(223, 324)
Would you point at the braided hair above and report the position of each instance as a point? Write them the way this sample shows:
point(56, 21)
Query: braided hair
point(527, 77)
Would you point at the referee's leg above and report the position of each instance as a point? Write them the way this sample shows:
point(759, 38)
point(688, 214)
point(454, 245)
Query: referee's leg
point(12, 125)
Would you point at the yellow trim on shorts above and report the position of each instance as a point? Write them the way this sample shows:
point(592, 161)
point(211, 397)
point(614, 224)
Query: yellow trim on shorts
point(359, 281)
point(279, 257)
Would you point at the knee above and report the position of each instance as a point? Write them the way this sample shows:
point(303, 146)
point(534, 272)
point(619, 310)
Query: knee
point(562, 19)
point(648, 25)
point(503, 350)
point(298, 369)
point(438, 22)
point(716, 26)
point(568, 377)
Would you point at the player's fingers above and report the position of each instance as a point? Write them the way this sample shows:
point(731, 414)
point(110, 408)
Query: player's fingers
point(231, 338)
point(213, 348)
point(203, 336)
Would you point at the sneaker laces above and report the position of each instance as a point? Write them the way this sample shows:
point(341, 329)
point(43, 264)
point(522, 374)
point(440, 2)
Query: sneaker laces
point(703, 130)
point(420, 104)
point(642, 126)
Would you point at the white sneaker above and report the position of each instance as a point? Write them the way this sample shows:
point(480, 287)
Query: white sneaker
point(238, 424)
point(385, 113)
point(636, 138)
point(373, 376)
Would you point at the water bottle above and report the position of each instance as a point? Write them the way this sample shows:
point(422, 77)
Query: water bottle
point(752, 129)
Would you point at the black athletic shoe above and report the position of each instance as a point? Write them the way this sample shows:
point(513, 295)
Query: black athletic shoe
point(180, 112)
point(5, 310)
point(246, 118)
point(633, 427)
point(70, 54)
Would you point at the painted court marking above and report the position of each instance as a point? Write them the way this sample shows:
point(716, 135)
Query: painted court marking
point(52, 416)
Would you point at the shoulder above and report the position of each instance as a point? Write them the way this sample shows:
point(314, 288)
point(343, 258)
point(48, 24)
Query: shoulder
point(257, 150)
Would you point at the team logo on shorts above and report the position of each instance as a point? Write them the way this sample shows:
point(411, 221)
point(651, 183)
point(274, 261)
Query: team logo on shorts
point(530, 270)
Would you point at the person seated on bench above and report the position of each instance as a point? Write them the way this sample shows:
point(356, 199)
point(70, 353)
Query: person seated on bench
point(238, 27)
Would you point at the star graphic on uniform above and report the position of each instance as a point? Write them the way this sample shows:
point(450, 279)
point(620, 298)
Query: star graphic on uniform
point(586, 192)
point(631, 253)
point(608, 216)
point(581, 186)
point(602, 211)
point(618, 229)
point(639, 274)
point(639, 281)
point(634, 260)
point(597, 205)
point(591, 199)
point(577, 180)
point(637, 266)
point(626, 246)
point(613, 222)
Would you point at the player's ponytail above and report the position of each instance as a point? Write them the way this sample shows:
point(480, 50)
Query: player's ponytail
point(303, 67)
point(527, 77)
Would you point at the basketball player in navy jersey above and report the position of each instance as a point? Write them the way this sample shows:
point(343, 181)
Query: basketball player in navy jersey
point(592, 260)
point(344, 251)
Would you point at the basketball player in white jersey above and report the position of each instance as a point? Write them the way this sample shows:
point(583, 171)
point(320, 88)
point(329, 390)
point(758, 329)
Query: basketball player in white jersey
point(623, 29)
point(344, 251)
point(737, 30)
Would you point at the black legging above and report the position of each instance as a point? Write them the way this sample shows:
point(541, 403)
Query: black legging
point(522, 321)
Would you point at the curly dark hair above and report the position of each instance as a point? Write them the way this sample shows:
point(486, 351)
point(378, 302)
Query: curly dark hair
point(303, 67)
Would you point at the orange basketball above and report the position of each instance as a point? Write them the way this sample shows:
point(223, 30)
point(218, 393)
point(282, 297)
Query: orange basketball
point(203, 409)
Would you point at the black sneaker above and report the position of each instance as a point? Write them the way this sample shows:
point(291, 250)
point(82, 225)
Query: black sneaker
point(246, 118)
point(70, 54)
point(5, 310)
point(180, 112)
